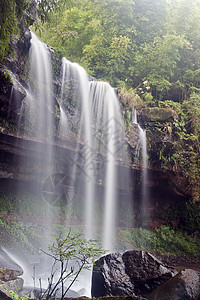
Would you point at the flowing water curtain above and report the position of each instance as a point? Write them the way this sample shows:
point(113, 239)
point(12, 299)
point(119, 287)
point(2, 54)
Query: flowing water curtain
point(41, 112)
point(75, 100)
point(108, 143)
point(41, 87)
point(100, 146)
point(141, 151)
point(90, 113)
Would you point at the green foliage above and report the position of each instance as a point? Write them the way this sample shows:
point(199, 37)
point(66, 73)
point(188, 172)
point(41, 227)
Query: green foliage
point(163, 240)
point(129, 98)
point(187, 145)
point(71, 253)
point(186, 217)
point(6, 203)
point(22, 235)
point(97, 34)
point(10, 18)
point(175, 145)
point(21, 204)
point(16, 297)
point(47, 8)
point(130, 41)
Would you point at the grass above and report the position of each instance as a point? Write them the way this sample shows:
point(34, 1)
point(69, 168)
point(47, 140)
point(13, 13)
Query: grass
point(164, 240)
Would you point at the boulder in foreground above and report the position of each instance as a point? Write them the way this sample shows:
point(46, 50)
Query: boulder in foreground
point(135, 273)
point(185, 285)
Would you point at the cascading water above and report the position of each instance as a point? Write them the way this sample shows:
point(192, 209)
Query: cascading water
point(94, 121)
point(43, 109)
point(142, 136)
point(38, 121)
point(74, 72)
point(100, 131)
point(41, 88)
point(143, 147)
point(91, 127)
point(107, 119)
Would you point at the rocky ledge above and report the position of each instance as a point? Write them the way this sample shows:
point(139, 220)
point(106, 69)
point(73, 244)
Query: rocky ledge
point(140, 275)
point(9, 272)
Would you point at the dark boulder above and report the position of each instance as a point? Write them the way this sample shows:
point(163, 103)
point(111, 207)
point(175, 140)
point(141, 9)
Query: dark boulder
point(5, 296)
point(185, 285)
point(109, 277)
point(135, 273)
point(145, 271)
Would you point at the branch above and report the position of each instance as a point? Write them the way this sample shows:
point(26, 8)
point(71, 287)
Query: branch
point(60, 280)
point(74, 279)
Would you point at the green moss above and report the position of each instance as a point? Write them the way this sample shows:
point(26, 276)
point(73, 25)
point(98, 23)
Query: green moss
point(101, 298)
point(186, 217)
point(10, 18)
point(164, 240)
point(157, 114)
point(29, 238)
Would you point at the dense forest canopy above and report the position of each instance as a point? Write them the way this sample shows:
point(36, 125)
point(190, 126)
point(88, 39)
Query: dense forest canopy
point(147, 48)
point(127, 42)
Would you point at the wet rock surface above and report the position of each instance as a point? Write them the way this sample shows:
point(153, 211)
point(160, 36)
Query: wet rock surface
point(135, 273)
point(5, 295)
point(180, 262)
point(185, 285)
point(109, 277)
point(12, 285)
point(145, 271)
point(9, 270)
point(155, 114)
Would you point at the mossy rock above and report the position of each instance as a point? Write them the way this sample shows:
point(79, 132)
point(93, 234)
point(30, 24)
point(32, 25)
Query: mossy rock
point(102, 298)
point(157, 114)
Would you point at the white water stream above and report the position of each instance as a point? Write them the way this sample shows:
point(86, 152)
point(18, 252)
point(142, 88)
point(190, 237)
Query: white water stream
point(97, 127)
point(99, 115)
point(143, 147)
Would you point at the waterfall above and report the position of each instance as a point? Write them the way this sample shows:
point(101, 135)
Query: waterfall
point(134, 117)
point(108, 120)
point(143, 141)
point(73, 73)
point(143, 147)
point(86, 119)
point(101, 132)
point(37, 123)
point(41, 87)
point(75, 152)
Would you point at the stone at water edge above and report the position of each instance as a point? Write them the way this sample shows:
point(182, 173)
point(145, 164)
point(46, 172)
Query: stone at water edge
point(12, 285)
point(109, 277)
point(135, 273)
point(145, 271)
point(185, 285)
point(9, 270)
point(5, 296)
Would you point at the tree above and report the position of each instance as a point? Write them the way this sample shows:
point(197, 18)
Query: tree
point(71, 253)
point(97, 34)
point(45, 8)
point(149, 20)
point(157, 62)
